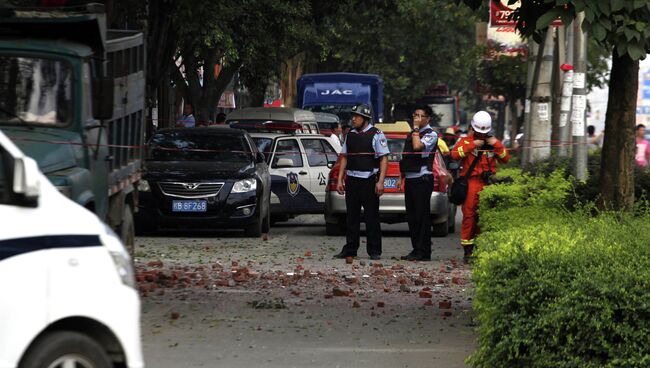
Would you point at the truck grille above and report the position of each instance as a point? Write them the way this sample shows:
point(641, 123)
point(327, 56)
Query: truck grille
point(190, 190)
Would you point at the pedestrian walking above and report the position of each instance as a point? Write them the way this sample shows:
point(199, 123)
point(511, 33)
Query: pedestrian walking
point(479, 145)
point(642, 156)
point(187, 119)
point(364, 159)
point(416, 169)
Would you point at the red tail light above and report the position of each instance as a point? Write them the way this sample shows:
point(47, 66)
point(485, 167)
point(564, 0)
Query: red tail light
point(333, 178)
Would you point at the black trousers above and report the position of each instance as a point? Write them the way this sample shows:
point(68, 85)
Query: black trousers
point(417, 193)
point(361, 193)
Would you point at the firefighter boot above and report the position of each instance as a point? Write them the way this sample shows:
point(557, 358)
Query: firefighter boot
point(468, 253)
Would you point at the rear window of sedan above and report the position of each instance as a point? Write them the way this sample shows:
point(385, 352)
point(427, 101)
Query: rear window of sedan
point(196, 145)
point(396, 146)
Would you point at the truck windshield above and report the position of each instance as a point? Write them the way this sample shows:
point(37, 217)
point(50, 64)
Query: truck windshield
point(35, 90)
point(342, 111)
point(193, 145)
point(446, 114)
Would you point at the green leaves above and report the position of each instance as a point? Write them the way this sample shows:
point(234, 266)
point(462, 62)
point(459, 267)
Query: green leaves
point(555, 288)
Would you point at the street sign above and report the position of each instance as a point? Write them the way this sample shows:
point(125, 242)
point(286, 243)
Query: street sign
point(500, 14)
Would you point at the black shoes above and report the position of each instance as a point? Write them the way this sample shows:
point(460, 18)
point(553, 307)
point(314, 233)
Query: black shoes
point(415, 257)
point(343, 255)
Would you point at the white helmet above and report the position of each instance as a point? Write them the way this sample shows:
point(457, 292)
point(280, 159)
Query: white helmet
point(482, 122)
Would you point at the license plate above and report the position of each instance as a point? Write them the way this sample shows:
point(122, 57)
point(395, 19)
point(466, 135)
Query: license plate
point(189, 206)
point(390, 183)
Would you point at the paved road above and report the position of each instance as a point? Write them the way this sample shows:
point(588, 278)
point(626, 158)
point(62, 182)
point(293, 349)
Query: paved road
point(220, 300)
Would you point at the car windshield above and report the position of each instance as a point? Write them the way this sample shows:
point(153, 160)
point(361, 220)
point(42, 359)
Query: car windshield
point(192, 145)
point(264, 145)
point(396, 146)
point(35, 90)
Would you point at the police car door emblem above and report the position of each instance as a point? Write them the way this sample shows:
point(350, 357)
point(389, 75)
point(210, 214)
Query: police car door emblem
point(293, 186)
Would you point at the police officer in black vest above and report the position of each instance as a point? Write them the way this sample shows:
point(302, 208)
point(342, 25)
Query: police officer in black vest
point(364, 158)
point(416, 168)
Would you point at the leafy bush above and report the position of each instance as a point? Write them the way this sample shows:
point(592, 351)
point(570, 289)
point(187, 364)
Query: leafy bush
point(556, 288)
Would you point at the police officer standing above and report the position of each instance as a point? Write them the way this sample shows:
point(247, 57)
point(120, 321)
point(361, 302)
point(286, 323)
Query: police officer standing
point(364, 159)
point(416, 167)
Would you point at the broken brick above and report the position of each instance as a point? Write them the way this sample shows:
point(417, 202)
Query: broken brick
point(356, 304)
point(308, 253)
point(428, 303)
point(349, 260)
point(158, 264)
point(444, 304)
point(426, 294)
point(174, 315)
point(340, 292)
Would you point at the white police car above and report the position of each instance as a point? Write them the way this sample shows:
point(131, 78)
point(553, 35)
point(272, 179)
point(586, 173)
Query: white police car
point(299, 165)
point(67, 286)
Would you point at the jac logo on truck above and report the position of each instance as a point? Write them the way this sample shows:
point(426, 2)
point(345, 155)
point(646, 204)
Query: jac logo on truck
point(341, 92)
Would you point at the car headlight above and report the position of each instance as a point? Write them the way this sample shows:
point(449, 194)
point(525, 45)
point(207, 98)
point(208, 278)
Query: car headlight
point(124, 268)
point(244, 186)
point(143, 186)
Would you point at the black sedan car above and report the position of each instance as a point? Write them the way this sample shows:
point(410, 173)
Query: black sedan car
point(204, 178)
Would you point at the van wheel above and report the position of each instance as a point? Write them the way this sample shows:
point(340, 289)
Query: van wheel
point(64, 349)
point(440, 230)
point(127, 230)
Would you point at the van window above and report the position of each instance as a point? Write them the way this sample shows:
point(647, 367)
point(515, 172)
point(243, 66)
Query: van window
point(290, 149)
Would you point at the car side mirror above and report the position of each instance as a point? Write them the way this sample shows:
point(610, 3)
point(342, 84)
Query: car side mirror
point(284, 162)
point(330, 165)
point(103, 95)
point(26, 181)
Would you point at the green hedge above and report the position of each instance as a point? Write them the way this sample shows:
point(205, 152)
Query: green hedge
point(557, 288)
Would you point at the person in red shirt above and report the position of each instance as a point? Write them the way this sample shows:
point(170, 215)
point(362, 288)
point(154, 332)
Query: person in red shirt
point(467, 150)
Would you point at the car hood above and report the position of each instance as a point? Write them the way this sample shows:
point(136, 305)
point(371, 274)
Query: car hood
point(197, 170)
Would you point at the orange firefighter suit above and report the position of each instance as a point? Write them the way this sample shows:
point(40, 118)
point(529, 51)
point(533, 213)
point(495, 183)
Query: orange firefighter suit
point(466, 150)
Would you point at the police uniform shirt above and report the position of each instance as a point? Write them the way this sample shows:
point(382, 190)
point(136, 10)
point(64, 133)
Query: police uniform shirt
point(430, 141)
point(380, 146)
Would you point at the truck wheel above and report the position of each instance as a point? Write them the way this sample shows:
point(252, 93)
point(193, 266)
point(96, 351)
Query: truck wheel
point(440, 230)
point(127, 230)
point(64, 349)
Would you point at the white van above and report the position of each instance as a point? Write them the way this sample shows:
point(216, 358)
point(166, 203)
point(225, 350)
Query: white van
point(67, 295)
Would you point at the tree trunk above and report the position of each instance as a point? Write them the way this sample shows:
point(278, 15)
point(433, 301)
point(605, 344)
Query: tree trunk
point(617, 158)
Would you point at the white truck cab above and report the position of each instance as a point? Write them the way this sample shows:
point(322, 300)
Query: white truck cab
point(67, 285)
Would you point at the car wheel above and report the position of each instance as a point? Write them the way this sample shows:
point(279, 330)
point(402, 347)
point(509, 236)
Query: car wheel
point(254, 230)
point(452, 219)
point(440, 230)
point(336, 228)
point(127, 229)
point(64, 349)
point(279, 218)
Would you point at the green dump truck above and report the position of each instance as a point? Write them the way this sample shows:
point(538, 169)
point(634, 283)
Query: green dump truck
point(72, 97)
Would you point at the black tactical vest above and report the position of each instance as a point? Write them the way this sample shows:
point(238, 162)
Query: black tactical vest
point(414, 162)
point(361, 153)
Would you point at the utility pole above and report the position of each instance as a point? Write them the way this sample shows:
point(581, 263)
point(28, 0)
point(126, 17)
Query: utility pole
point(567, 92)
point(531, 79)
point(579, 99)
point(541, 105)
